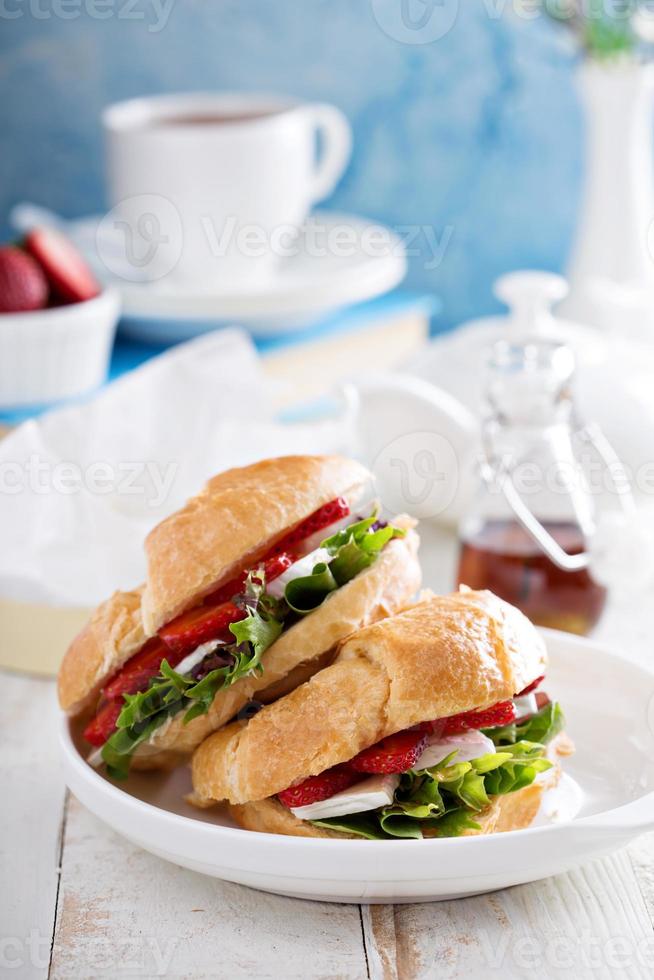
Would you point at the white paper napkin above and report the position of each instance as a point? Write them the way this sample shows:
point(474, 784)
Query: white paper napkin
point(82, 486)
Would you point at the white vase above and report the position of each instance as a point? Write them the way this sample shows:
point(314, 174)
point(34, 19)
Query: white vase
point(612, 253)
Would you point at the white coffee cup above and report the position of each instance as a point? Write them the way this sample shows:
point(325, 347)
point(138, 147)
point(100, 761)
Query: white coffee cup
point(212, 189)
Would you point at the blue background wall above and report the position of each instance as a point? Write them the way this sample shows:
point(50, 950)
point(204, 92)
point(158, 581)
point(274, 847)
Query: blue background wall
point(476, 132)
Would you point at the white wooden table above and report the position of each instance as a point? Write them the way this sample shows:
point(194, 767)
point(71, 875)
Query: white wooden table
point(76, 901)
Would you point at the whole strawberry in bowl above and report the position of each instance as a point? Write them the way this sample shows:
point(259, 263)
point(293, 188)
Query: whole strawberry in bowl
point(57, 323)
point(68, 274)
point(23, 285)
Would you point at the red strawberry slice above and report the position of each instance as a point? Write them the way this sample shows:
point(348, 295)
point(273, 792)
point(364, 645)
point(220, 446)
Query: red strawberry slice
point(436, 727)
point(531, 687)
point(317, 788)
point(397, 753)
point(200, 625)
point(273, 568)
point(104, 724)
point(502, 713)
point(182, 635)
point(139, 669)
point(22, 283)
point(335, 510)
point(64, 267)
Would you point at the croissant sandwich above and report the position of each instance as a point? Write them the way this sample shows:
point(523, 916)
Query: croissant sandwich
point(249, 588)
point(427, 724)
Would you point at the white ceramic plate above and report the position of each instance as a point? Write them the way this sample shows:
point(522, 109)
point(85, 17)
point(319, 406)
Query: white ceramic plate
point(606, 799)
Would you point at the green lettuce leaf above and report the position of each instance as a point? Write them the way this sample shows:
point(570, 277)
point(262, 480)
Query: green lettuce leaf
point(540, 728)
point(362, 824)
point(442, 801)
point(356, 547)
point(259, 630)
point(305, 594)
point(453, 824)
point(171, 692)
point(352, 550)
point(401, 822)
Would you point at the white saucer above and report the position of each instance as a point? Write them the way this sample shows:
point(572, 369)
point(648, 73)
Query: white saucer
point(316, 281)
point(606, 798)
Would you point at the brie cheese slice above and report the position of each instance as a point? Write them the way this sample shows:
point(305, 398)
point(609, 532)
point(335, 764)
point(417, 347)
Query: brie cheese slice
point(369, 794)
point(467, 745)
point(526, 705)
point(304, 566)
point(194, 658)
point(94, 758)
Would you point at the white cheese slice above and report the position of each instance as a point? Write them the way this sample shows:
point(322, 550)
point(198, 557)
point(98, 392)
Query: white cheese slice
point(194, 658)
point(369, 794)
point(94, 758)
point(526, 705)
point(304, 566)
point(467, 745)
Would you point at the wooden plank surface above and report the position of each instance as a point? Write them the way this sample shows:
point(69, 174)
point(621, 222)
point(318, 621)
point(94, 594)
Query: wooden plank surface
point(32, 809)
point(124, 913)
point(589, 923)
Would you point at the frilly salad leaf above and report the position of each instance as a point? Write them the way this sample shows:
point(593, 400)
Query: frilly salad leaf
point(353, 549)
point(442, 801)
point(171, 692)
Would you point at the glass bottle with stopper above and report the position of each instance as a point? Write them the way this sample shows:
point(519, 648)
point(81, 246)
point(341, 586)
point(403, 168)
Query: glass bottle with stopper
point(529, 530)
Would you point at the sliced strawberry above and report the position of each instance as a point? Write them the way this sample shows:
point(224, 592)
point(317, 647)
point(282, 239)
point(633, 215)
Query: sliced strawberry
point(104, 724)
point(531, 687)
point(317, 788)
point(64, 267)
point(199, 625)
point(502, 713)
point(328, 514)
point(397, 753)
point(436, 727)
point(273, 568)
point(22, 283)
point(139, 669)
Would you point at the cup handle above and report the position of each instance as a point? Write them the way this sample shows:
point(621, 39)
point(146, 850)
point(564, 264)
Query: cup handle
point(336, 150)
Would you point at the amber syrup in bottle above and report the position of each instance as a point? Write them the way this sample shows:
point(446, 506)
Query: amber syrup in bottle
point(504, 558)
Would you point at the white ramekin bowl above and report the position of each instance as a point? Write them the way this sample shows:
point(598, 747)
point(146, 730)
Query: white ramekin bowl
point(56, 353)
